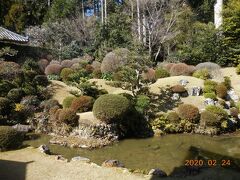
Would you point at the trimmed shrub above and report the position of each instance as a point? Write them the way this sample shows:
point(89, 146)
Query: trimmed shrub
point(142, 103)
point(114, 60)
point(227, 82)
point(210, 83)
point(238, 69)
point(29, 75)
point(111, 108)
point(10, 138)
point(173, 117)
point(31, 65)
point(89, 69)
point(65, 74)
point(96, 65)
point(5, 106)
point(149, 74)
point(15, 94)
point(180, 69)
point(67, 63)
point(210, 95)
point(43, 63)
point(168, 66)
point(29, 89)
point(68, 101)
point(76, 66)
point(178, 89)
point(40, 80)
point(234, 112)
point(55, 62)
point(161, 73)
point(68, 116)
point(201, 74)
point(218, 111)
point(97, 74)
point(5, 87)
point(209, 119)
point(209, 89)
point(208, 65)
point(82, 104)
point(221, 90)
point(53, 69)
point(188, 112)
point(9, 70)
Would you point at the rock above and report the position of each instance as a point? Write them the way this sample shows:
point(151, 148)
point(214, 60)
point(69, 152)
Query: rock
point(231, 95)
point(209, 101)
point(175, 96)
point(195, 91)
point(112, 163)
point(183, 82)
point(44, 149)
point(157, 172)
point(60, 158)
point(22, 128)
point(79, 158)
point(227, 105)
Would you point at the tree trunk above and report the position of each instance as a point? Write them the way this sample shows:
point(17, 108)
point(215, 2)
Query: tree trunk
point(102, 14)
point(105, 11)
point(49, 3)
point(83, 12)
point(139, 22)
point(144, 29)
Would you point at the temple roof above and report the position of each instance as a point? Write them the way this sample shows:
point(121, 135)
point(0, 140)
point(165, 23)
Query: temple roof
point(6, 35)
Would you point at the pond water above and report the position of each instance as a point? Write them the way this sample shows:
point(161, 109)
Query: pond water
point(167, 152)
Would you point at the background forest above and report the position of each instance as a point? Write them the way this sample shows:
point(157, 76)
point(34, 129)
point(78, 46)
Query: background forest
point(173, 31)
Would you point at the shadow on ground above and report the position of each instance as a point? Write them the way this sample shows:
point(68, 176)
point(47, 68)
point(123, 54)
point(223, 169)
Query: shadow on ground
point(13, 170)
point(205, 172)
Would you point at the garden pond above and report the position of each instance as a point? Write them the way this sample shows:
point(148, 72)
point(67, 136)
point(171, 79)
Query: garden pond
point(168, 153)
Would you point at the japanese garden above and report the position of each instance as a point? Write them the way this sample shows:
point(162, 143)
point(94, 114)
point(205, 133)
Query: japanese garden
point(119, 89)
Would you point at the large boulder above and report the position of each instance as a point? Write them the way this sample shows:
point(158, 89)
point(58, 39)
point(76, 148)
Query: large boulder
point(112, 163)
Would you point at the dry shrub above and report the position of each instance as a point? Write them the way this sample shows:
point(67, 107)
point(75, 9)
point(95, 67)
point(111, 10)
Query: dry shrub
point(66, 63)
point(76, 66)
point(10, 70)
point(42, 63)
point(180, 69)
point(149, 74)
point(173, 117)
point(53, 69)
point(76, 60)
point(97, 74)
point(178, 89)
point(96, 65)
point(68, 116)
point(234, 112)
point(188, 112)
point(82, 104)
point(208, 65)
point(221, 90)
point(89, 69)
point(114, 60)
point(55, 62)
point(168, 66)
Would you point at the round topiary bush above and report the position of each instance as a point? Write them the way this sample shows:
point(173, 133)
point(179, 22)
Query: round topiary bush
point(110, 108)
point(5, 106)
point(68, 116)
point(178, 89)
point(168, 66)
point(15, 94)
point(188, 112)
point(210, 83)
point(210, 95)
point(114, 60)
point(234, 112)
point(209, 119)
point(149, 74)
point(67, 63)
point(40, 80)
point(68, 101)
point(173, 117)
point(221, 90)
point(9, 138)
point(53, 69)
point(82, 104)
point(180, 69)
point(42, 63)
point(89, 69)
point(202, 74)
point(161, 73)
point(209, 89)
point(96, 65)
point(65, 73)
point(218, 111)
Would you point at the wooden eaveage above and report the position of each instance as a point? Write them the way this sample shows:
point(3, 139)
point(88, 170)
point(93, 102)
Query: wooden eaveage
point(9, 36)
